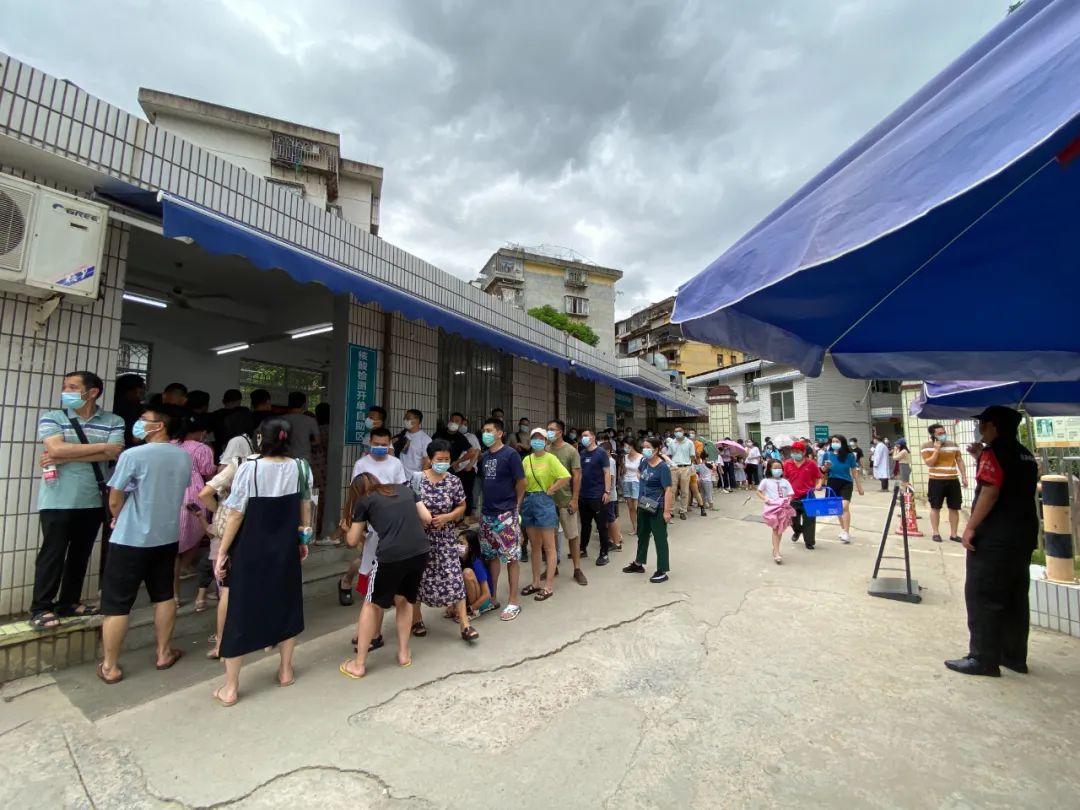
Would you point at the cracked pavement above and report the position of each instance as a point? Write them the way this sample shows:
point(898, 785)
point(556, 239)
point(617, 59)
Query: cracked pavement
point(739, 683)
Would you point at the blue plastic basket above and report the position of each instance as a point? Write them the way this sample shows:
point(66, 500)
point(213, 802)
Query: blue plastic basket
point(829, 506)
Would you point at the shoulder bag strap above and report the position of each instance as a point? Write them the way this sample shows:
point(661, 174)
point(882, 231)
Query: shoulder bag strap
point(93, 464)
point(532, 469)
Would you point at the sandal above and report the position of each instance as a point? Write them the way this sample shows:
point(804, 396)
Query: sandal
point(375, 644)
point(77, 611)
point(544, 595)
point(105, 678)
point(529, 590)
point(469, 634)
point(344, 595)
point(510, 612)
point(419, 630)
point(227, 704)
point(200, 605)
point(213, 655)
point(45, 621)
point(174, 656)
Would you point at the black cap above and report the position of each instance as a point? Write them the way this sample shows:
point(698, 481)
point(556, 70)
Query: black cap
point(1003, 418)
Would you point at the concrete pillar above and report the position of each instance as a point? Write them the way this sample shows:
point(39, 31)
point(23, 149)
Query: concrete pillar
point(1057, 529)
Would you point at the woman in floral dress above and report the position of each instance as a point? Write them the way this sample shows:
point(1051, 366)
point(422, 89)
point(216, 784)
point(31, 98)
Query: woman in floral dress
point(443, 584)
point(193, 515)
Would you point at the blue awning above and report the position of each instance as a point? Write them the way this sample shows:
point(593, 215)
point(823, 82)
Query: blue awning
point(223, 236)
point(962, 400)
point(942, 245)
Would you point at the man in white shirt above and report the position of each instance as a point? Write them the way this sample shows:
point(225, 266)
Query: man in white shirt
point(753, 463)
point(681, 454)
point(414, 455)
point(389, 470)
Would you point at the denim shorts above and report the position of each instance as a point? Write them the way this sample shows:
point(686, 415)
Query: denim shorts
point(631, 489)
point(538, 511)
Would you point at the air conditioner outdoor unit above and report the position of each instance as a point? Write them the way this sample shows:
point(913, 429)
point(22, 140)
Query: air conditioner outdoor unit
point(50, 242)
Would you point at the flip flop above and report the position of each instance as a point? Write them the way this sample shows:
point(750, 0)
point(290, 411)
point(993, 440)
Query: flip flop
point(287, 683)
point(176, 656)
point(407, 664)
point(105, 678)
point(222, 702)
point(343, 669)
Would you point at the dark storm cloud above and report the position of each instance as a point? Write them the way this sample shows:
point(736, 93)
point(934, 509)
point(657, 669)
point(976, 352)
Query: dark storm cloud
point(646, 135)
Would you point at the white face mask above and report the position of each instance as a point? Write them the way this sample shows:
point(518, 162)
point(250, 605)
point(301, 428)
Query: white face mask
point(453, 427)
point(410, 423)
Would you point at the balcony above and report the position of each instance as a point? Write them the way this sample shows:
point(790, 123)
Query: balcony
point(507, 269)
point(300, 153)
point(637, 370)
point(576, 278)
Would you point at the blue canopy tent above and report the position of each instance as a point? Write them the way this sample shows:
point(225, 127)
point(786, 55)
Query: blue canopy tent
point(960, 400)
point(942, 244)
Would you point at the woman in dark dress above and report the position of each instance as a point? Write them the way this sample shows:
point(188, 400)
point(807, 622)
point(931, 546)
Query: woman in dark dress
point(266, 534)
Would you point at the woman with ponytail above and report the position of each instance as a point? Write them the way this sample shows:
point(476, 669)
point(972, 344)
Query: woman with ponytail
point(267, 531)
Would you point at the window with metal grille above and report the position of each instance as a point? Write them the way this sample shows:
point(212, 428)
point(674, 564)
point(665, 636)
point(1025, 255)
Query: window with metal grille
point(576, 277)
point(885, 386)
point(782, 401)
point(281, 380)
point(576, 305)
point(580, 403)
point(473, 379)
point(750, 392)
point(134, 358)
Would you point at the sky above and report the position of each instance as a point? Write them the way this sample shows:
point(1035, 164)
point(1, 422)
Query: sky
point(646, 135)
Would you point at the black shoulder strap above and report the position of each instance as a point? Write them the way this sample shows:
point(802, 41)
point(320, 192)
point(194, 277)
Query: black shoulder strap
point(93, 464)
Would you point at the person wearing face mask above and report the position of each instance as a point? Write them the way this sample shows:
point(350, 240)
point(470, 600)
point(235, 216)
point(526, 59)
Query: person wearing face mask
point(79, 439)
point(412, 443)
point(776, 492)
point(595, 486)
point(753, 463)
point(947, 478)
point(655, 500)
point(387, 470)
point(680, 451)
point(145, 493)
point(999, 537)
point(841, 466)
point(879, 456)
point(442, 584)
point(544, 476)
point(462, 455)
point(503, 478)
point(567, 498)
point(805, 477)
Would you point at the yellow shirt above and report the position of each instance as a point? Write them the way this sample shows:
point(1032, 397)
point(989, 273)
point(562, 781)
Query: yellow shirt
point(948, 461)
point(542, 471)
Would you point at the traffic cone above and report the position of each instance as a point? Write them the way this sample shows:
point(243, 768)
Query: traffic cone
point(912, 519)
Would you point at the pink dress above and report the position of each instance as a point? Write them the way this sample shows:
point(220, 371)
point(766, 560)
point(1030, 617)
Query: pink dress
point(202, 468)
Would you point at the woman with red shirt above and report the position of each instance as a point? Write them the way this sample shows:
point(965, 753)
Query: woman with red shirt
point(805, 477)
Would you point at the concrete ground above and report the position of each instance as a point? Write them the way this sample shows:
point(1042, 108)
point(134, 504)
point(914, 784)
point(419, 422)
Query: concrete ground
point(739, 683)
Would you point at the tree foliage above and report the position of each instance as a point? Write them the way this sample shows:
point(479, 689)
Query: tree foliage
point(560, 320)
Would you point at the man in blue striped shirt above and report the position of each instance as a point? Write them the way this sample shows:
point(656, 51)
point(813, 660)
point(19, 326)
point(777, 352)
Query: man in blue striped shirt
point(70, 500)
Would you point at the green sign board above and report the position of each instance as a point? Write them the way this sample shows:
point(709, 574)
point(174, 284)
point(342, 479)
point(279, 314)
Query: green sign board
point(360, 392)
point(821, 433)
point(624, 402)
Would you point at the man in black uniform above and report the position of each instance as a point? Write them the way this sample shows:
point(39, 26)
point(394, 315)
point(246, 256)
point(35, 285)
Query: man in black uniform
point(1000, 536)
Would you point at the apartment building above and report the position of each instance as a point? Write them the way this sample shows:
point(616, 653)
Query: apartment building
point(535, 276)
point(293, 158)
point(649, 333)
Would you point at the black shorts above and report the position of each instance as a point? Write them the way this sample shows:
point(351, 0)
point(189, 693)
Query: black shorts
point(842, 487)
point(127, 567)
point(400, 578)
point(945, 490)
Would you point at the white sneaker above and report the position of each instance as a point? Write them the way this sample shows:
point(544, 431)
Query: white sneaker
point(845, 537)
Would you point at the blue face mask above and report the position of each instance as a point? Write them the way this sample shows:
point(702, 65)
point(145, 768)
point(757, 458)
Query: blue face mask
point(586, 441)
point(379, 452)
point(797, 456)
point(941, 437)
point(777, 472)
point(647, 452)
point(551, 435)
point(441, 467)
point(835, 446)
point(537, 444)
point(678, 434)
point(72, 400)
point(139, 431)
point(369, 423)
point(488, 439)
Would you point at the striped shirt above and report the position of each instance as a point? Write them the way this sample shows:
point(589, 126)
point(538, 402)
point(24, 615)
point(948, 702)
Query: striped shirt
point(948, 461)
point(76, 487)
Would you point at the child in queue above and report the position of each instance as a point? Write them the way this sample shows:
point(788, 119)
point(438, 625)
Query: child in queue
point(478, 596)
point(776, 492)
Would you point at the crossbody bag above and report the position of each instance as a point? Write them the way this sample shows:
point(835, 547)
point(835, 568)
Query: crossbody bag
point(103, 491)
point(650, 505)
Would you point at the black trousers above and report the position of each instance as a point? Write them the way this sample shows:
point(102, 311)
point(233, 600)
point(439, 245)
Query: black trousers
point(591, 510)
point(727, 474)
point(996, 593)
point(801, 524)
point(753, 474)
point(68, 537)
point(468, 481)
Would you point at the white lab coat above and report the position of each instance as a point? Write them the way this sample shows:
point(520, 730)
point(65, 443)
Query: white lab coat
point(881, 462)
